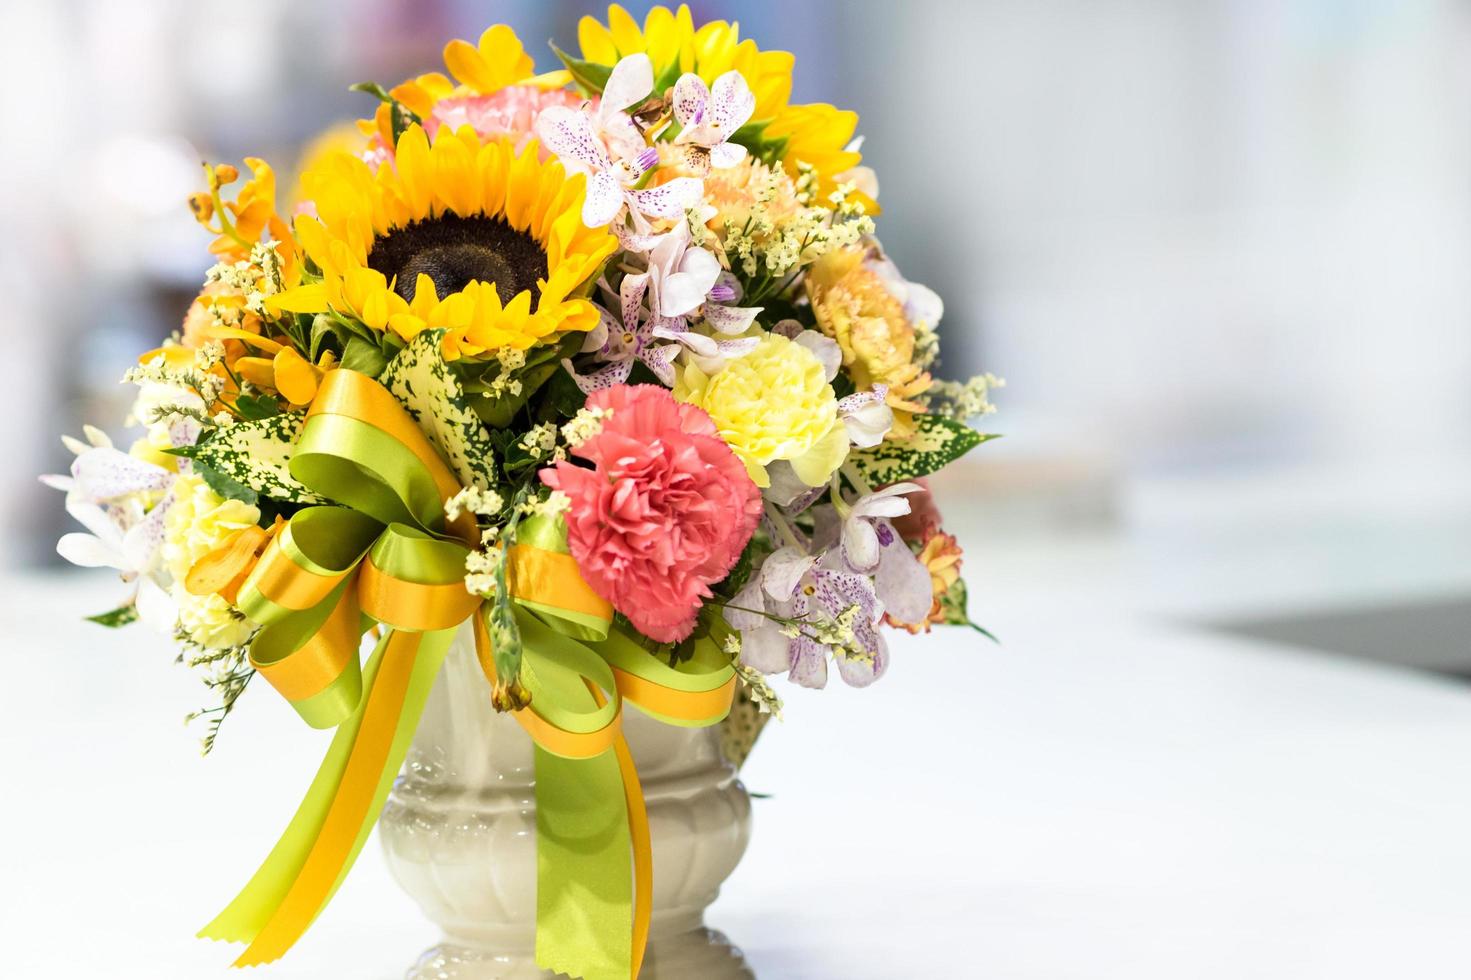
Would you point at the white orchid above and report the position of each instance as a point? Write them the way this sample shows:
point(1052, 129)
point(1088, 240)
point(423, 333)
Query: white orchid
point(122, 502)
point(709, 116)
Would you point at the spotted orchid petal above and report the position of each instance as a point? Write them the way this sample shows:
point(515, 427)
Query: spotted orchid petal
point(745, 611)
point(837, 591)
point(727, 154)
point(857, 672)
point(603, 201)
point(731, 319)
point(142, 541)
point(105, 473)
point(766, 649)
point(670, 199)
point(860, 545)
point(614, 373)
point(708, 116)
point(790, 329)
point(888, 502)
point(902, 583)
point(783, 570)
point(827, 351)
point(632, 240)
point(809, 663)
point(660, 360)
point(597, 337)
point(630, 82)
point(631, 299)
point(689, 101)
point(569, 134)
point(731, 104)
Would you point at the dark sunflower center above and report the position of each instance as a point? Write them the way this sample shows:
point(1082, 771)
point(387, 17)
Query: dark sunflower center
point(455, 251)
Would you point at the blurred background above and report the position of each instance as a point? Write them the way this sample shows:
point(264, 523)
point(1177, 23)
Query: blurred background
point(1218, 249)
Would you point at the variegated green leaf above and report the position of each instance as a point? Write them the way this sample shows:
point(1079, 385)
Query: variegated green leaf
point(936, 443)
point(255, 455)
point(420, 378)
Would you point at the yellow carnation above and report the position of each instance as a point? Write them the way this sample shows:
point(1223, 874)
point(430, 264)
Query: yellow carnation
point(772, 404)
point(854, 307)
point(200, 521)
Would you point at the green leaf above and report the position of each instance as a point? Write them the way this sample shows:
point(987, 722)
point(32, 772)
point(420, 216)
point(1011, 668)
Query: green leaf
point(667, 78)
point(253, 408)
point(250, 459)
point(121, 616)
point(420, 378)
point(952, 609)
point(323, 326)
point(401, 116)
point(589, 76)
point(224, 484)
point(936, 443)
point(364, 357)
point(753, 137)
point(563, 395)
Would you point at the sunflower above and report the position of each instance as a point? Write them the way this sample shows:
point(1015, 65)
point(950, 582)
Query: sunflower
point(462, 234)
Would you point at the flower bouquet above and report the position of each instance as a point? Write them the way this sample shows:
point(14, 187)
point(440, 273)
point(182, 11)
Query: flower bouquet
point(602, 369)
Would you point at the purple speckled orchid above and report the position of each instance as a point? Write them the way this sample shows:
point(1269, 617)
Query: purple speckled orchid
point(688, 285)
point(109, 493)
point(709, 116)
point(600, 140)
point(863, 540)
point(620, 343)
point(795, 586)
point(857, 560)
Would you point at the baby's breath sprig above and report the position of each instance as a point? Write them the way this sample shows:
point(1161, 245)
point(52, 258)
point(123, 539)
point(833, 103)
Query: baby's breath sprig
point(226, 672)
point(962, 400)
point(767, 701)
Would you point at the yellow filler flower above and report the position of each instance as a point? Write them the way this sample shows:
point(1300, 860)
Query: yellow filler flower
point(462, 234)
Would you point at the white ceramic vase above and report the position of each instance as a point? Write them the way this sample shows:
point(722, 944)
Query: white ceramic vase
point(459, 833)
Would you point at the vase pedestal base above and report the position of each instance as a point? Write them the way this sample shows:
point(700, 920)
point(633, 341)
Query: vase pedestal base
point(702, 953)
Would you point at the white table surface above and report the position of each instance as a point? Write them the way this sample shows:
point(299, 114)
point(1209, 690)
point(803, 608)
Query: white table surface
point(1099, 798)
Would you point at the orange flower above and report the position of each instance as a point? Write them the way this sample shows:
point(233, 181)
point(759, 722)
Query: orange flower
point(854, 307)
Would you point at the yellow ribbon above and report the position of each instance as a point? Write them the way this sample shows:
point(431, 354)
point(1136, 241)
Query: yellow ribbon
point(388, 557)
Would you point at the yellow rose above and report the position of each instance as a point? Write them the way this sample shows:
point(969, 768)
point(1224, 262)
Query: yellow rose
point(200, 521)
point(772, 404)
point(855, 308)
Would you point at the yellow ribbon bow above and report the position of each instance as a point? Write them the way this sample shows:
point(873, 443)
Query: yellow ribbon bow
point(387, 556)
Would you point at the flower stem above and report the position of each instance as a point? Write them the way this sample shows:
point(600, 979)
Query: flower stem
point(786, 531)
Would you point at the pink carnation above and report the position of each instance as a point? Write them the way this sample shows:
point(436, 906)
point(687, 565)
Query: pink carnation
point(510, 113)
point(663, 513)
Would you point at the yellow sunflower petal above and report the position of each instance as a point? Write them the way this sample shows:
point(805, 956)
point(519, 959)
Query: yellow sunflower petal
point(310, 298)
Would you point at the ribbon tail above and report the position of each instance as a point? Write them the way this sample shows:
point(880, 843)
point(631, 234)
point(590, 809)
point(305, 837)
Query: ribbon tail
point(643, 850)
point(324, 838)
point(584, 920)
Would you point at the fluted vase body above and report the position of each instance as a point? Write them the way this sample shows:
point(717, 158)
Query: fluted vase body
point(459, 833)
